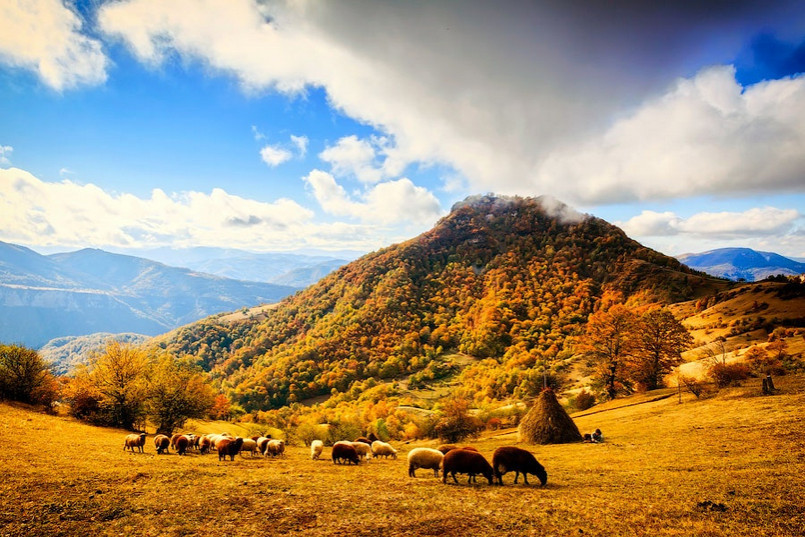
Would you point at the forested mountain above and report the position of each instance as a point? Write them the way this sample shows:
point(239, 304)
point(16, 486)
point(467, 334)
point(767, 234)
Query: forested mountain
point(506, 280)
point(87, 291)
point(742, 263)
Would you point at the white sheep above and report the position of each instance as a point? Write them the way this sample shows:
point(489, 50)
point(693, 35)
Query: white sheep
point(382, 449)
point(424, 458)
point(275, 448)
point(262, 444)
point(316, 448)
point(248, 445)
point(362, 449)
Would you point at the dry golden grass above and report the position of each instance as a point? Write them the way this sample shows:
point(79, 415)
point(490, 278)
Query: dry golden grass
point(730, 465)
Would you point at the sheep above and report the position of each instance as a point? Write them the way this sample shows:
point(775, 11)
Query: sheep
point(424, 458)
point(134, 441)
point(228, 446)
point(262, 444)
point(161, 442)
point(316, 448)
point(204, 444)
point(445, 448)
point(382, 449)
point(343, 451)
point(275, 448)
point(363, 439)
point(517, 460)
point(181, 444)
point(363, 449)
point(463, 461)
point(248, 445)
point(372, 437)
point(174, 438)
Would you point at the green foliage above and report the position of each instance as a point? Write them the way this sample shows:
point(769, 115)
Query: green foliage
point(25, 377)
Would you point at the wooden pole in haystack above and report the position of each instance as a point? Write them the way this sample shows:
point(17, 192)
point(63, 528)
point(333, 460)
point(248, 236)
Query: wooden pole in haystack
point(547, 422)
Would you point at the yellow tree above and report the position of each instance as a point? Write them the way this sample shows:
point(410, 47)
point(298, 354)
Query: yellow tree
point(660, 340)
point(176, 392)
point(119, 375)
point(609, 342)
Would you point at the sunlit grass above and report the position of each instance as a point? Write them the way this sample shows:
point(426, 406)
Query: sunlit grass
point(730, 465)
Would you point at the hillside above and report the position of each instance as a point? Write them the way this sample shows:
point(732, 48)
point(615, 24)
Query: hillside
point(503, 280)
point(742, 264)
point(731, 466)
point(66, 353)
point(89, 291)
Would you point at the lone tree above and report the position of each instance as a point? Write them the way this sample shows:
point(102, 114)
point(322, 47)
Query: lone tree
point(548, 423)
point(176, 392)
point(609, 343)
point(660, 340)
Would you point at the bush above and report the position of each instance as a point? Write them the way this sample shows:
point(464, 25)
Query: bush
point(728, 374)
point(584, 400)
point(456, 424)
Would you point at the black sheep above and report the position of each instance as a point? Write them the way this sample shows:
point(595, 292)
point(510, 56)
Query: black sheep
point(344, 452)
point(462, 461)
point(513, 459)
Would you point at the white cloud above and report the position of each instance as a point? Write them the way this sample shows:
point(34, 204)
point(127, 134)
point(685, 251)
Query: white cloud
point(301, 144)
point(353, 156)
point(506, 96)
point(45, 36)
point(706, 135)
point(751, 223)
point(275, 155)
point(390, 202)
point(5, 152)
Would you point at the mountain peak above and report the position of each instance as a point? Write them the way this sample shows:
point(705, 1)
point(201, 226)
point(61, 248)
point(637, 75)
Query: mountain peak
point(492, 204)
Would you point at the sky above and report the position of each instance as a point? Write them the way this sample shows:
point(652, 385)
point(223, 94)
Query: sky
point(317, 125)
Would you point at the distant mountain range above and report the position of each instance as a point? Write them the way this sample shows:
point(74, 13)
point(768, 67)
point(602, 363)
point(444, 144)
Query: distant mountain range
point(742, 263)
point(71, 294)
point(66, 353)
point(298, 270)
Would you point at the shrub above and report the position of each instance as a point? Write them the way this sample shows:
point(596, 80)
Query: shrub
point(584, 400)
point(728, 374)
point(456, 424)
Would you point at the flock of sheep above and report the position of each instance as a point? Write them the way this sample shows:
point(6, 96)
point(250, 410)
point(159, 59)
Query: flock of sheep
point(450, 459)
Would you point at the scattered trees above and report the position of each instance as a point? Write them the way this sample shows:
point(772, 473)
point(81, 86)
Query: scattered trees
point(661, 338)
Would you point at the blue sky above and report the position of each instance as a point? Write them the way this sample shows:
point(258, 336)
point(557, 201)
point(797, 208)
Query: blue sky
point(281, 126)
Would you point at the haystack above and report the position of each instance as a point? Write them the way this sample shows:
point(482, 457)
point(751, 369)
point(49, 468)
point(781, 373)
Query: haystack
point(548, 423)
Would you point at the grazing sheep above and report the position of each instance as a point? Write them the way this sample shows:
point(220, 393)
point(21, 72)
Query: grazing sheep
point(174, 438)
point(275, 448)
point(463, 461)
point(513, 459)
point(134, 441)
point(382, 449)
point(363, 449)
point(372, 437)
point(343, 451)
point(363, 439)
point(424, 458)
point(204, 444)
point(316, 448)
point(228, 446)
point(262, 444)
point(161, 442)
point(248, 445)
point(181, 445)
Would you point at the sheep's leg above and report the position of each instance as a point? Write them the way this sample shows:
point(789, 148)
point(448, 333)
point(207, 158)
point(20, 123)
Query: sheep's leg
point(516, 475)
point(454, 477)
point(525, 478)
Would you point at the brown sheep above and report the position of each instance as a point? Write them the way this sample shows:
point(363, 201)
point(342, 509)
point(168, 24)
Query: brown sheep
point(181, 445)
point(228, 446)
point(134, 441)
point(345, 452)
point(174, 438)
point(204, 444)
point(363, 439)
point(513, 459)
point(262, 444)
point(462, 461)
point(444, 448)
point(161, 442)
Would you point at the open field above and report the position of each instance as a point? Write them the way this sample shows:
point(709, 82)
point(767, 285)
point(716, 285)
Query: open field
point(730, 465)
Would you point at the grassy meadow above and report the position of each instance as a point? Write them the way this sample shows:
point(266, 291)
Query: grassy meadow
point(733, 464)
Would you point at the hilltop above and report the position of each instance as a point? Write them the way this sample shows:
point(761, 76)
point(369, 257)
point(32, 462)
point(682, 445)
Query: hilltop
point(730, 465)
point(503, 280)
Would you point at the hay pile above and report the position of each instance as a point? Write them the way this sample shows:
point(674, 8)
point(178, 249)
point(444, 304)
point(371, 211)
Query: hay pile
point(548, 423)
